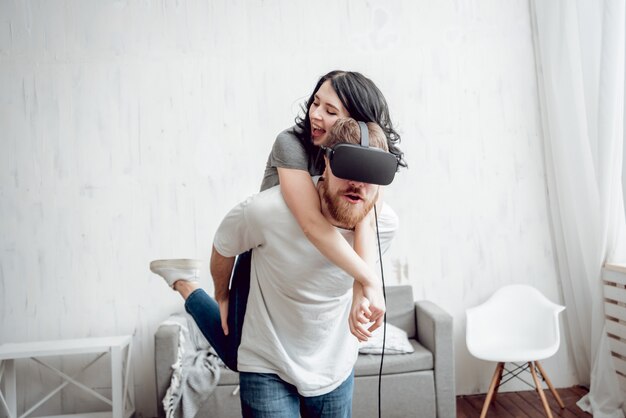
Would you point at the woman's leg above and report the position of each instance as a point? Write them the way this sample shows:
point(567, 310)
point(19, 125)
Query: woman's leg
point(206, 314)
point(238, 296)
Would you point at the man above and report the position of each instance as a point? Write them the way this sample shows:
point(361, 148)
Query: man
point(297, 353)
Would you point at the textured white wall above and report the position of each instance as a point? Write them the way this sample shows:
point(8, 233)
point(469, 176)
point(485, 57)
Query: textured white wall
point(128, 129)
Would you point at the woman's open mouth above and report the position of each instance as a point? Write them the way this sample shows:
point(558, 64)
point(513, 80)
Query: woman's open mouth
point(317, 132)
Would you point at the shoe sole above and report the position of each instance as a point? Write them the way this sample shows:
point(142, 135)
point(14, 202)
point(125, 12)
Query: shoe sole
point(181, 263)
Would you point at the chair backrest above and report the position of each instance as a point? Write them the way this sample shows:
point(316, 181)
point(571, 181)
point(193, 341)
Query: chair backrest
point(401, 308)
point(516, 314)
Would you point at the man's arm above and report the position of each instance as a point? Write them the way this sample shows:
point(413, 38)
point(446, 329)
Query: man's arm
point(239, 231)
point(221, 270)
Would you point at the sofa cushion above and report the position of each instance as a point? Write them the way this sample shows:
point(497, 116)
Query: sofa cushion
point(420, 359)
point(369, 364)
point(401, 308)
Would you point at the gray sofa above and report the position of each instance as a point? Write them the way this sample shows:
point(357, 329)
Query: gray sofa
point(420, 384)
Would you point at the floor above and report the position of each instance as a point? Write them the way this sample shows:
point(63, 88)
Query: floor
point(523, 404)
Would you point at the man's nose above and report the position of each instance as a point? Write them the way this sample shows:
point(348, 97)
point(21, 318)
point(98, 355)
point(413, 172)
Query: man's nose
point(354, 183)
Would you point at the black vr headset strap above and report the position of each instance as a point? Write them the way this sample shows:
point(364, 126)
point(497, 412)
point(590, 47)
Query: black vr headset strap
point(365, 136)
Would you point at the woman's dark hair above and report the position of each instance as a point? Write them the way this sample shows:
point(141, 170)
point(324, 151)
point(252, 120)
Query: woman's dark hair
point(363, 101)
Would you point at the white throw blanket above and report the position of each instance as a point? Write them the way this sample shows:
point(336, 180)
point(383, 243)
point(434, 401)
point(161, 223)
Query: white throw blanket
point(195, 373)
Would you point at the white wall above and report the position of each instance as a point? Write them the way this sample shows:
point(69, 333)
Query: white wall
point(128, 129)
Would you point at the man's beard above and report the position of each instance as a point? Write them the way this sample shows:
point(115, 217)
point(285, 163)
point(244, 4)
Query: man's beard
point(345, 213)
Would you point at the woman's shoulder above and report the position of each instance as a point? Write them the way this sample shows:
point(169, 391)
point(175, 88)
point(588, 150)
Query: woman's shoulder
point(287, 144)
point(289, 136)
point(287, 152)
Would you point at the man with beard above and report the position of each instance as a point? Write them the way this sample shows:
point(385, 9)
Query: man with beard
point(297, 352)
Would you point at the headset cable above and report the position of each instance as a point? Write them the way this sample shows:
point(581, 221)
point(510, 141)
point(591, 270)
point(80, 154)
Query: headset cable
point(382, 354)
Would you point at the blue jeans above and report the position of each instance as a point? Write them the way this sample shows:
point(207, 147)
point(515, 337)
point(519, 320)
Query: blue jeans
point(266, 395)
point(205, 312)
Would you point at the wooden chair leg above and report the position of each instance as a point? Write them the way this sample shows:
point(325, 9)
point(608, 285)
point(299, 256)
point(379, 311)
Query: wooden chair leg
point(549, 383)
point(539, 389)
point(495, 392)
point(492, 388)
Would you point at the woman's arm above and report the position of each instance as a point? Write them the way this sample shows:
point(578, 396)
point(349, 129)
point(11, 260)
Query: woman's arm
point(365, 245)
point(303, 201)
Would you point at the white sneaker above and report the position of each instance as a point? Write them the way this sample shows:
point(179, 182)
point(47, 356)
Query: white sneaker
point(177, 269)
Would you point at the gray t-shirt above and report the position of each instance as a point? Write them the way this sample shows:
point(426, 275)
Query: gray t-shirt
point(289, 152)
point(296, 322)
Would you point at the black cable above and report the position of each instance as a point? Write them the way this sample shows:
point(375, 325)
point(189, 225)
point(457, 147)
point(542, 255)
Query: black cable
point(382, 276)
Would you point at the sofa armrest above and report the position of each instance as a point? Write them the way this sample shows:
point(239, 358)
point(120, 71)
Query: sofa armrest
point(435, 332)
point(165, 355)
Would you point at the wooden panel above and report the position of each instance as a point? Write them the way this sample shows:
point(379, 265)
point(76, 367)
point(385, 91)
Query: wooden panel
point(615, 311)
point(620, 365)
point(622, 382)
point(618, 347)
point(616, 328)
point(524, 404)
point(615, 267)
point(615, 293)
point(614, 275)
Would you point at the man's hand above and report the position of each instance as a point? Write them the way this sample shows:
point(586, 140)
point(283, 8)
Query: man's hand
point(221, 270)
point(223, 305)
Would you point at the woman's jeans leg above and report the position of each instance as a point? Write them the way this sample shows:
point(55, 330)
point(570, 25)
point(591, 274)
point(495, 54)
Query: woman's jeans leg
point(205, 312)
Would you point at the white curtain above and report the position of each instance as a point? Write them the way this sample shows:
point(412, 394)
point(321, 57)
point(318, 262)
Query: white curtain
point(580, 65)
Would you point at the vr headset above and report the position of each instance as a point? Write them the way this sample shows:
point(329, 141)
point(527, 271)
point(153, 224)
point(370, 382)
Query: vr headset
point(362, 163)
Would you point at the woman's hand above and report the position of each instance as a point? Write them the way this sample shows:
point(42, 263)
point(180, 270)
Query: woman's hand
point(374, 294)
point(359, 312)
point(362, 313)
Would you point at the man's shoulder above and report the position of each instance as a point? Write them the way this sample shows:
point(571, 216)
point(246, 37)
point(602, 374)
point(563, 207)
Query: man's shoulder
point(266, 202)
point(388, 218)
point(388, 223)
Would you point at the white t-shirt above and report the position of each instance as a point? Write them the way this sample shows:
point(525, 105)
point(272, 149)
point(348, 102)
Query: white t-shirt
point(296, 322)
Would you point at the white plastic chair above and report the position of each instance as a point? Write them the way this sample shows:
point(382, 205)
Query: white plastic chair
point(517, 324)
